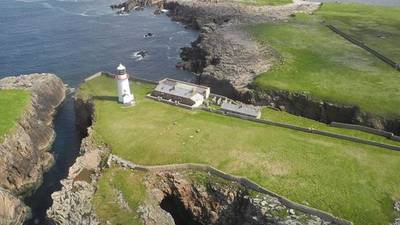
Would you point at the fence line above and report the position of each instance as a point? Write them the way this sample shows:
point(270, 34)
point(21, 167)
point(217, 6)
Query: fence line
point(308, 130)
point(240, 180)
point(365, 47)
point(370, 130)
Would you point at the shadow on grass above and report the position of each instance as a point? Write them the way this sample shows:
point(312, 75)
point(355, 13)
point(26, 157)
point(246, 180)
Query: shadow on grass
point(106, 98)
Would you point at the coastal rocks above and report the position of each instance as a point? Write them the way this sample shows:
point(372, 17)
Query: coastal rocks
point(23, 153)
point(72, 204)
point(211, 200)
point(226, 54)
point(196, 14)
point(12, 210)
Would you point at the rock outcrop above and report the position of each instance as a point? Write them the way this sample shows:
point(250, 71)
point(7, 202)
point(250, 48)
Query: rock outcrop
point(211, 200)
point(12, 210)
point(23, 153)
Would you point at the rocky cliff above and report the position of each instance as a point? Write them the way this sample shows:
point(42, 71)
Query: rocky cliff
point(72, 204)
point(23, 154)
point(12, 210)
point(198, 198)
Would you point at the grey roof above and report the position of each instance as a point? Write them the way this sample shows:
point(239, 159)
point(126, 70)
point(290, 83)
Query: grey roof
point(178, 88)
point(242, 109)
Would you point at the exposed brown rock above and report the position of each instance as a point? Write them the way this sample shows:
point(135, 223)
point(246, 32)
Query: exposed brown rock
point(12, 210)
point(213, 201)
point(23, 154)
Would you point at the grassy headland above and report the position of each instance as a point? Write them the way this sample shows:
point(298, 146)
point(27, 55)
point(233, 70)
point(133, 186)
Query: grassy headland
point(12, 105)
point(353, 181)
point(318, 62)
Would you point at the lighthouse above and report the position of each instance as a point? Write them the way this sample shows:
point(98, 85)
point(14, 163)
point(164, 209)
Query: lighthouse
point(124, 93)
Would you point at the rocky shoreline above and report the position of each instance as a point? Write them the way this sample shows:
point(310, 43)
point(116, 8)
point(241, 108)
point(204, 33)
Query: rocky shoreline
point(24, 153)
point(228, 60)
point(79, 187)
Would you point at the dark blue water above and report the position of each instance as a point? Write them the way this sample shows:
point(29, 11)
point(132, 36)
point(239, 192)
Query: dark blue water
point(74, 39)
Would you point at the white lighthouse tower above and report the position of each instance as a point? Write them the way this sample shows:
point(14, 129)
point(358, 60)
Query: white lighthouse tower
point(124, 92)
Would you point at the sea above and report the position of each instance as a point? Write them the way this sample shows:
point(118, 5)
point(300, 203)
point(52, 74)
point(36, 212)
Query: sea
point(77, 38)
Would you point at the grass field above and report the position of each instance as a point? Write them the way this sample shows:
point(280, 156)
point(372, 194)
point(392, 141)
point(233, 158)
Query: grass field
point(322, 64)
point(377, 26)
point(12, 105)
point(113, 181)
point(353, 181)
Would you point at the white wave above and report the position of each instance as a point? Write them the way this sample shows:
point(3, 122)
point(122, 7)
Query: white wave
point(139, 55)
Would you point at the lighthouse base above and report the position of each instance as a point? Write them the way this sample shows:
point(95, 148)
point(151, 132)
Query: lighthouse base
point(127, 99)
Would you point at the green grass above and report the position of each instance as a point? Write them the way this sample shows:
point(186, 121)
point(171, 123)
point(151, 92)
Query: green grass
point(284, 117)
point(264, 2)
point(12, 105)
point(320, 63)
point(105, 200)
point(353, 181)
point(377, 26)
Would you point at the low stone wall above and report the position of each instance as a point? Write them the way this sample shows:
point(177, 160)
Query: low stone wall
point(309, 130)
point(241, 180)
point(383, 133)
point(395, 138)
point(365, 47)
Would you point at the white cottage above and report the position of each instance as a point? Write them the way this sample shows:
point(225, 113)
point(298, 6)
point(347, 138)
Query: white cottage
point(183, 92)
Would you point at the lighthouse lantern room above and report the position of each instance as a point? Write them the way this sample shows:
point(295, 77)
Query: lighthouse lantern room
point(124, 93)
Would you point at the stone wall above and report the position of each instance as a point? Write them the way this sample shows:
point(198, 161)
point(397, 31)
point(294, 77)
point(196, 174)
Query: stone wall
point(240, 180)
point(382, 133)
point(309, 130)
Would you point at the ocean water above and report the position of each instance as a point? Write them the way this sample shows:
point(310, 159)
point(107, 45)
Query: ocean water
point(74, 39)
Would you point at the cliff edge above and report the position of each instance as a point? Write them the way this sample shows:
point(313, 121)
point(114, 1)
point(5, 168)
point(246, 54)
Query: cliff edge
point(23, 154)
